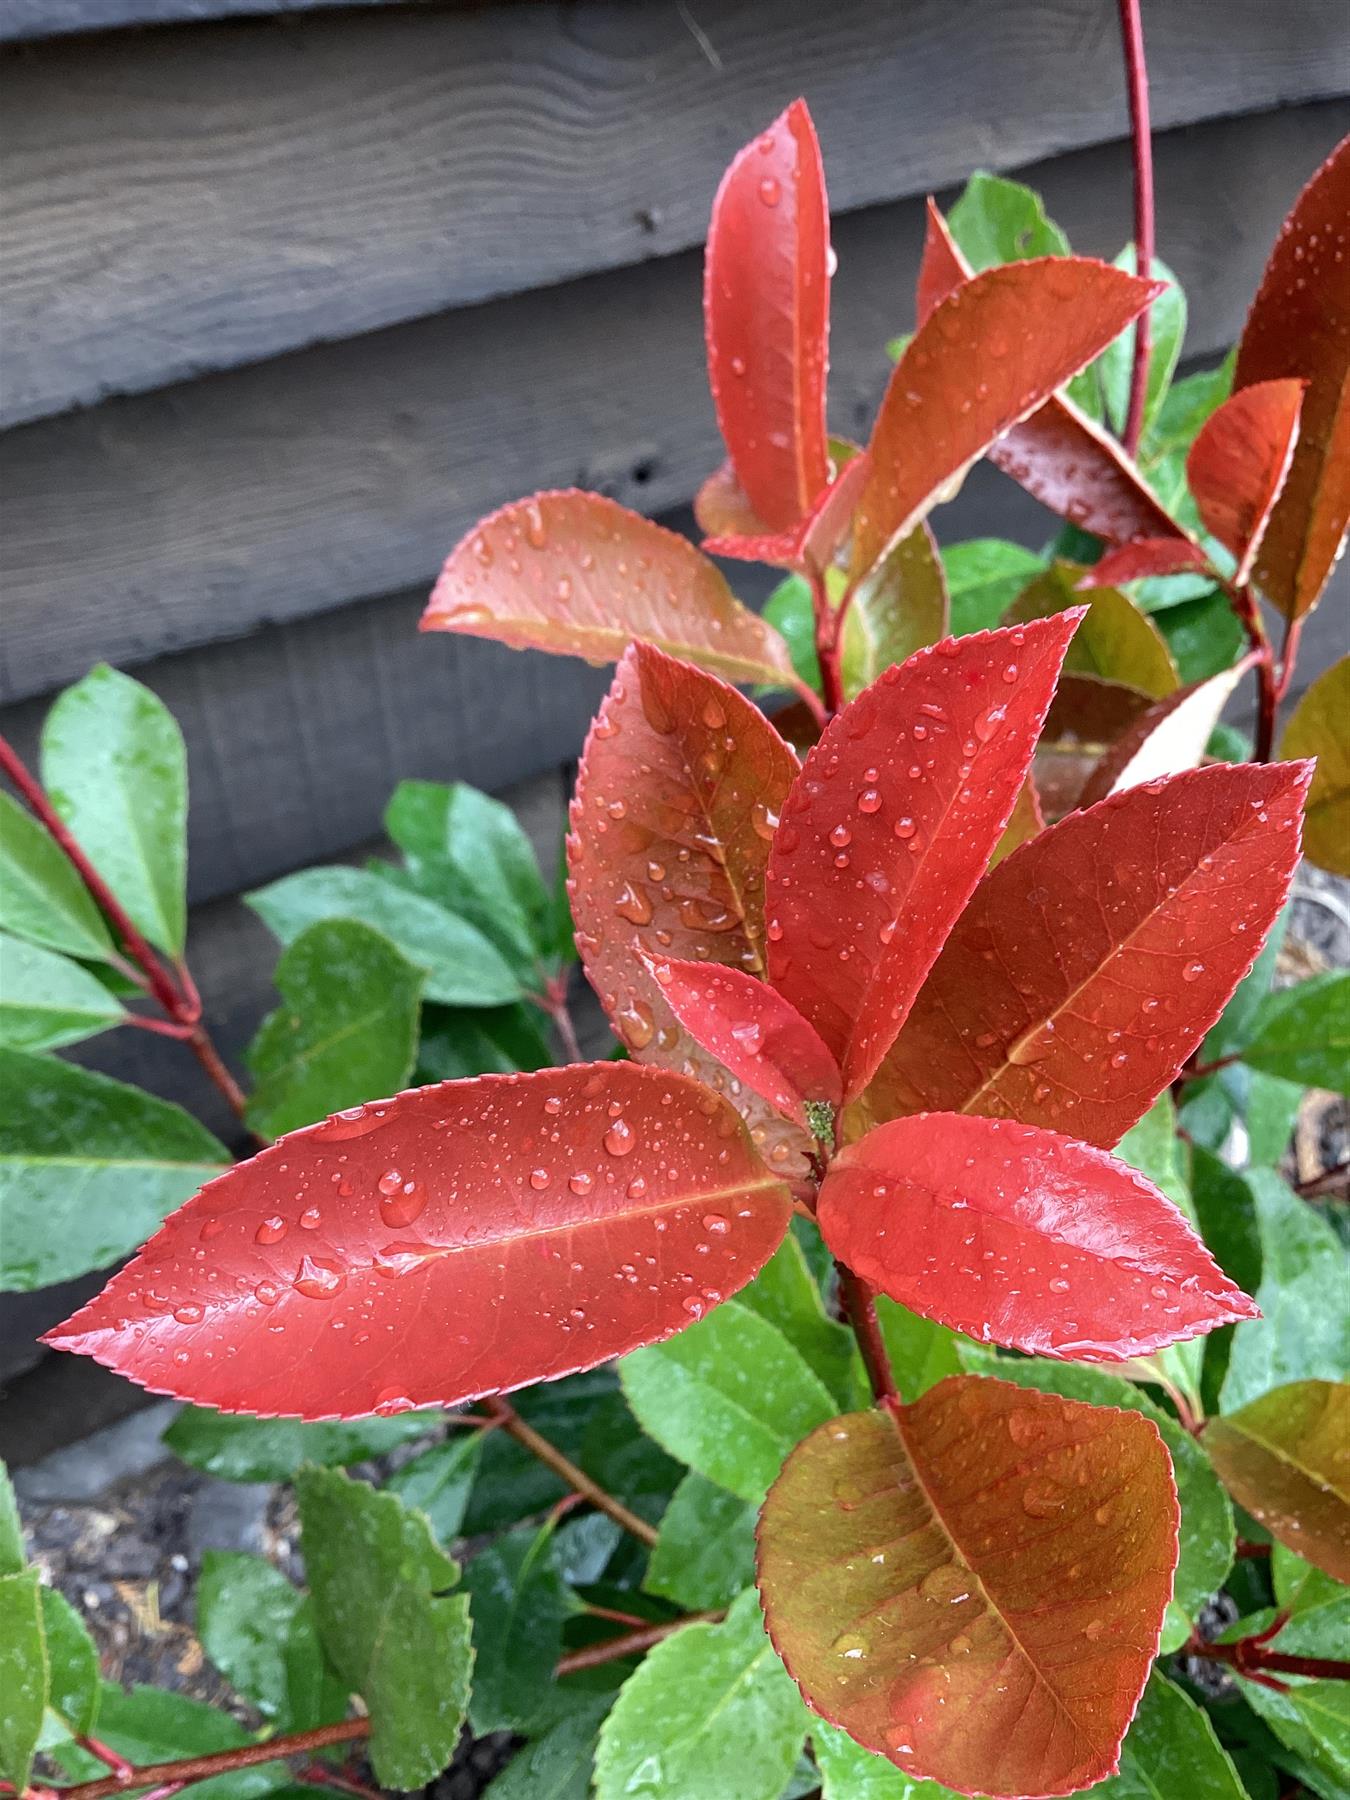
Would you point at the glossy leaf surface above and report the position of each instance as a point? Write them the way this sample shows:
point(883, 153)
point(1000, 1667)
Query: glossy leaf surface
point(730, 1397)
point(1057, 453)
point(550, 1221)
point(766, 309)
point(88, 1168)
point(581, 576)
point(1146, 557)
point(379, 1585)
point(41, 896)
point(23, 1671)
point(710, 1698)
point(890, 824)
point(346, 1030)
point(1115, 642)
point(899, 607)
point(681, 785)
point(705, 1554)
point(1302, 1033)
point(1171, 1748)
point(984, 577)
point(258, 1629)
point(1299, 328)
point(115, 768)
point(1239, 464)
point(1284, 1457)
point(1029, 1239)
point(757, 1036)
point(905, 1558)
point(1320, 727)
point(519, 1603)
point(1089, 965)
point(47, 1000)
point(243, 1449)
point(1311, 1717)
point(1168, 739)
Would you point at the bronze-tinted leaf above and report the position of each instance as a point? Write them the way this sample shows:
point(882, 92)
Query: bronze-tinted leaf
point(1299, 328)
point(1057, 454)
point(1116, 641)
point(1027, 1239)
point(1090, 964)
point(898, 607)
point(974, 1585)
point(891, 823)
point(1145, 557)
point(1320, 727)
point(766, 301)
point(681, 786)
point(581, 576)
point(1166, 740)
point(453, 1241)
point(1239, 463)
point(1286, 1458)
point(1025, 821)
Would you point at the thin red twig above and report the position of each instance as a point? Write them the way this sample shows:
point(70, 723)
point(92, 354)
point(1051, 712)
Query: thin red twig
point(1136, 73)
point(828, 637)
point(199, 1768)
point(861, 1308)
point(567, 1471)
point(631, 1643)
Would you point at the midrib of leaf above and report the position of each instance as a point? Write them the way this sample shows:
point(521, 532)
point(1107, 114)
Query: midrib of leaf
point(321, 1046)
point(1174, 901)
point(897, 1420)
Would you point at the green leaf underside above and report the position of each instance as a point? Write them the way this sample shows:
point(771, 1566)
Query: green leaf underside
point(89, 1167)
point(47, 1000)
point(41, 896)
point(236, 1448)
point(23, 1674)
point(346, 1031)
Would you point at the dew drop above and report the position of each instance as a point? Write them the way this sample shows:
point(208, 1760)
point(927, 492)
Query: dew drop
point(619, 1140)
point(717, 1224)
point(869, 801)
point(188, 1314)
point(945, 1584)
point(581, 1182)
point(318, 1280)
point(271, 1231)
point(267, 1292)
point(770, 192)
point(390, 1182)
point(1192, 971)
point(1042, 1499)
point(538, 1179)
point(400, 1209)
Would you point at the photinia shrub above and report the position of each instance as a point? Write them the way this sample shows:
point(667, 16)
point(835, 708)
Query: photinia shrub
point(905, 1350)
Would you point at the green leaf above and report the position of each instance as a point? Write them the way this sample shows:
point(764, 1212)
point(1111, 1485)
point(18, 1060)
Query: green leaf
point(519, 1604)
point(72, 1671)
point(440, 1480)
point(899, 607)
point(848, 1772)
point(1151, 1146)
point(1171, 1749)
point(387, 1621)
point(233, 1447)
point(709, 1699)
point(41, 896)
point(13, 1555)
point(1226, 1211)
point(512, 1484)
point(151, 1725)
point(785, 1294)
point(1203, 636)
point(1186, 406)
point(1115, 365)
point(789, 610)
point(462, 968)
point(1301, 1585)
point(46, 1000)
point(1268, 1107)
point(1233, 1029)
point(556, 1766)
point(23, 1674)
point(1207, 1531)
point(921, 1351)
point(1311, 1717)
point(1000, 221)
point(88, 1168)
point(259, 1631)
point(460, 1041)
point(347, 1030)
point(729, 1396)
point(467, 850)
point(1301, 1335)
point(984, 577)
point(1302, 1033)
point(705, 1554)
point(115, 769)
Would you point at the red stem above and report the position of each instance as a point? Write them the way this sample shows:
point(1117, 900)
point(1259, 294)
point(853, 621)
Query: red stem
point(861, 1307)
point(182, 1003)
point(199, 1768)
point(828, 637)
point(567, 1471)
point(1136, 72)
point(1249, 1656)
point(631, 1643)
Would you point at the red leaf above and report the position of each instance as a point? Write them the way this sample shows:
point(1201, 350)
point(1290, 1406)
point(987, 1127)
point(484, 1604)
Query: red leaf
point(680, 788)
point(1166, 740)
point(817, 535)
point(721, 508)
point(1239, 463)
point(891, 823)
point(766, 303)
point(1090, 964)
point(578, 575)
point(1019, 1236)
point(752, 1031)
point(1299, 327)
point(1057, 453)
point(1143, 557)
point(974, 1586)
point(455, 1241)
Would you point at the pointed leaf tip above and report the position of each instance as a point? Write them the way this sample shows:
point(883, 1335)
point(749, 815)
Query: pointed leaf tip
point(316, 1280)
point(891, 823)
point(1031, 1240)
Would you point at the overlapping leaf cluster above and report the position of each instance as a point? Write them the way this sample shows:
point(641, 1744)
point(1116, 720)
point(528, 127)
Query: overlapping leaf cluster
point(934, 1329)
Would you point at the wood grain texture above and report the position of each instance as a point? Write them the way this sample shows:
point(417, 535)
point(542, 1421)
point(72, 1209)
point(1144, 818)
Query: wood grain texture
point(200, 198)
point(157, 522)
point(24, 19)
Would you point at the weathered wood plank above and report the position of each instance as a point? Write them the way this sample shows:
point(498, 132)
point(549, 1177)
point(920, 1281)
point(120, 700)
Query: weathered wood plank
point(200, 198)
point(166, 520)
point(22, 19)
